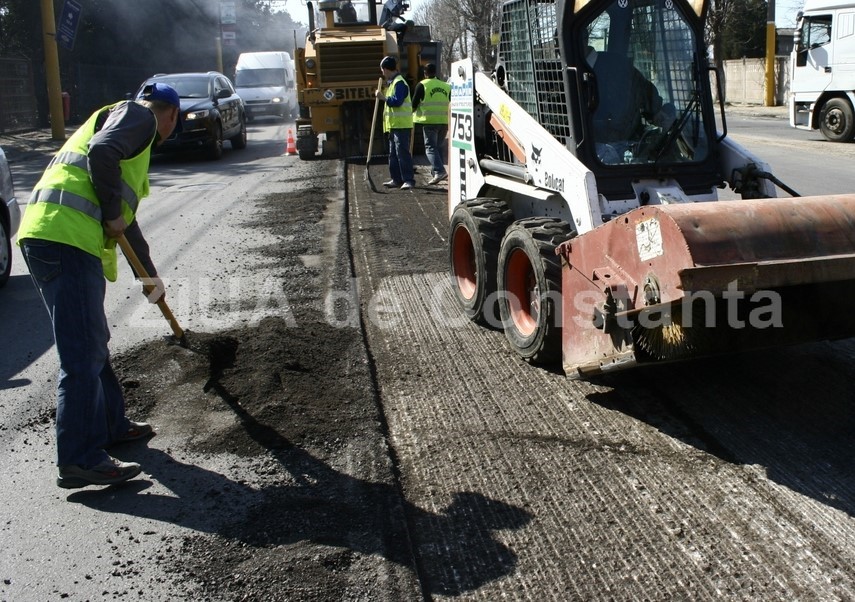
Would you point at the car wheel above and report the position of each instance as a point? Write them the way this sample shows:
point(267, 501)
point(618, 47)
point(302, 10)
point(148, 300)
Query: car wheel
point(239, 141)
point(215, 148)
point(5, 253)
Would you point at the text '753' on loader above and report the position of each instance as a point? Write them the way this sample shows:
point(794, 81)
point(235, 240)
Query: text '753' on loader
point(585, 219)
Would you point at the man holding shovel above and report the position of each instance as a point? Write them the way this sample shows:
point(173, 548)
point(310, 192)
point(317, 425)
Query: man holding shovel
point(85, 200)
point(398, 123)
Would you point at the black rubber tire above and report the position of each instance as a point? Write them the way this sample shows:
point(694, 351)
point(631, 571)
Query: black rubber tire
point(5, 252)
point(837, 120)
point(530, 288)
point(307, 149)
point(215, 146)
point(475, 235)
point(239, 141)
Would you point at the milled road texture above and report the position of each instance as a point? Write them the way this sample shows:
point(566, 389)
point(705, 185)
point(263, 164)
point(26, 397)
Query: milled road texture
point(728, 478)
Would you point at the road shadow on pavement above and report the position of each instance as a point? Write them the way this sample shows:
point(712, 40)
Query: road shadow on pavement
point(455, 550)
point(27, 324)
point(791, 411)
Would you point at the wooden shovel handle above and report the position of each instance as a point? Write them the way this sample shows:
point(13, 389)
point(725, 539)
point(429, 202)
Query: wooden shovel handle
point(374, 121)
point(128, 250)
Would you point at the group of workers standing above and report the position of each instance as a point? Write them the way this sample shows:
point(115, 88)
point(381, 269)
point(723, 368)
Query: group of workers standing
point(428, 107)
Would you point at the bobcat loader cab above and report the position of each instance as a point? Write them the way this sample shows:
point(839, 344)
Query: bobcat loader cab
point(583, 175)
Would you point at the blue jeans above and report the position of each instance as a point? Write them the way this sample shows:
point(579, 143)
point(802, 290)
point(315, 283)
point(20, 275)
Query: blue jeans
point(400, 159)
point(90, 406)
point(435, 147)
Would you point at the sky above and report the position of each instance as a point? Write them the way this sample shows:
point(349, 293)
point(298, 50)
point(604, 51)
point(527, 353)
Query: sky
point(298, 11)
point(785, 10)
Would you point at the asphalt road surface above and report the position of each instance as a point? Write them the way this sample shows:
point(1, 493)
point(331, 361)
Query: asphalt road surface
point(367, 443)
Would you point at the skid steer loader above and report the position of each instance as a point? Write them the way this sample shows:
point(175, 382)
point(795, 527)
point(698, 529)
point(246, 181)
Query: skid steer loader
point(583, 199)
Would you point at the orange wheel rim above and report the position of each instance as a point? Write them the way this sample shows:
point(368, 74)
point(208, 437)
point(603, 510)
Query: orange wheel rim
point(523, 292)
point(463, 263)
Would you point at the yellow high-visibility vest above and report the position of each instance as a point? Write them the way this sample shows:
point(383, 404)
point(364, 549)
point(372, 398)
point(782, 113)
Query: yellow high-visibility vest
point(433, 110)
point(398, 118)
point(64, 207)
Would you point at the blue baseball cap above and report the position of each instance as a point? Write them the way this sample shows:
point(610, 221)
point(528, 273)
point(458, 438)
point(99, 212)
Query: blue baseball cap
point(157, 91)
point(162, 92)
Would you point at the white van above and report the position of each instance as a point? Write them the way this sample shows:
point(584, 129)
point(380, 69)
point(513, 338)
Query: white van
point(265, 82)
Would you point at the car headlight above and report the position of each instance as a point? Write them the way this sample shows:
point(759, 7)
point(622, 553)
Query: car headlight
point(197, 114)
point(276, 99)
point(310, 63)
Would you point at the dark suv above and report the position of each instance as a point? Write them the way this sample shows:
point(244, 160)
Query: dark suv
point(211, 111)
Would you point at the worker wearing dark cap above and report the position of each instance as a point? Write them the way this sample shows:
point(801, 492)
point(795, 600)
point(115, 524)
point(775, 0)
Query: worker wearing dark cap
point(398, 123)
point(87, 198)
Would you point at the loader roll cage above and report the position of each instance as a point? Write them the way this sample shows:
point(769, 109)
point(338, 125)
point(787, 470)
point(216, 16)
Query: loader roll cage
point(642, 67)
point(622, 83)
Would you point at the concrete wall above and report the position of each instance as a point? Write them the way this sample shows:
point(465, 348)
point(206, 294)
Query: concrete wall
point(745, 81)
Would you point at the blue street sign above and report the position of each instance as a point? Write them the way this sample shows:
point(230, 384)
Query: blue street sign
point(67, 27)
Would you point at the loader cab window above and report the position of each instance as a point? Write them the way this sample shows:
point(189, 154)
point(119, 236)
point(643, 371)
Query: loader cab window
point(350, 12)
point(644, 98)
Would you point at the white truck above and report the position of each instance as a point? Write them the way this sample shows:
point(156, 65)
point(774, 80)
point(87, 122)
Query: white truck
point(822, 94)
point(265, 81)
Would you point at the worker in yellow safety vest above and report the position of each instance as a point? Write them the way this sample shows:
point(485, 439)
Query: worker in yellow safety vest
point(430, 103)
point(87, 198)
point(398, 124)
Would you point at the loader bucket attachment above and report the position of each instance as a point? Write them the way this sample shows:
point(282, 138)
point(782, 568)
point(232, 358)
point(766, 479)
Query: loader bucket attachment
point(667, 282)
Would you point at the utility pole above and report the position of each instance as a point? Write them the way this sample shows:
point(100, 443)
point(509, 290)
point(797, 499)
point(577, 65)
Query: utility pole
point(770, 53)
point(54, 88)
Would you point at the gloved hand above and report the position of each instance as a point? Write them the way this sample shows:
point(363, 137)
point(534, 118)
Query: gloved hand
point(665, 116)
point(114, 228)
point(153, 289)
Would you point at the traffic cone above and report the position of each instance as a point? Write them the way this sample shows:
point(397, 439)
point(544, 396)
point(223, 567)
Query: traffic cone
point(291, 146)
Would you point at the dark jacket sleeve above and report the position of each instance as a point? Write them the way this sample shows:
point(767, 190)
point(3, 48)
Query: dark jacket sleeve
point(418, 96)
point(399, 94)
point(135, 236)
point(126, 131)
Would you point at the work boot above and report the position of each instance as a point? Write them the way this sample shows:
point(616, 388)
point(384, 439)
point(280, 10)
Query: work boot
point(108, 472)
point(136, 431)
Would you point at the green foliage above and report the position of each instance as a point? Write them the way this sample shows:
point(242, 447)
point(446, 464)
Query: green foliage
point(744, 31)
point(121, 42)
point(20, 24)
